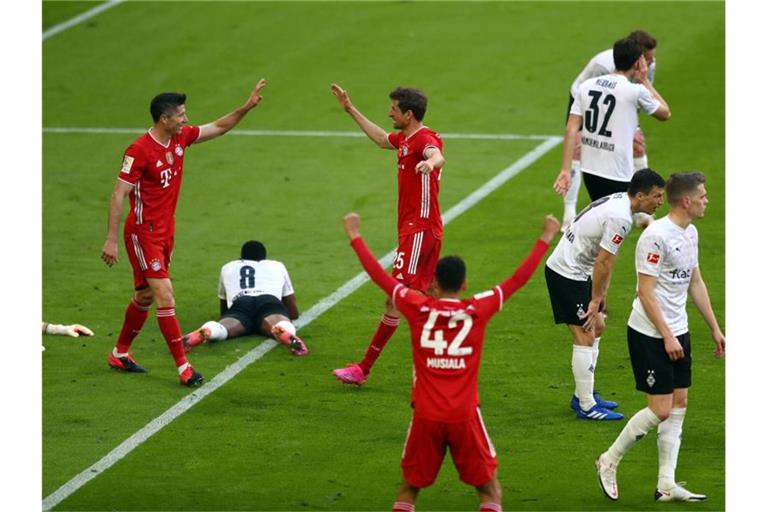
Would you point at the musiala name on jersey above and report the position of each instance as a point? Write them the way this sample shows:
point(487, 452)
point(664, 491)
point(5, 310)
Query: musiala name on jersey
point(446, 363)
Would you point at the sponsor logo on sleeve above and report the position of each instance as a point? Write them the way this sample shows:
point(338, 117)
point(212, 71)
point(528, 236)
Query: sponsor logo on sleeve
point(617, 239)
point(652, 258)
point(127, 164)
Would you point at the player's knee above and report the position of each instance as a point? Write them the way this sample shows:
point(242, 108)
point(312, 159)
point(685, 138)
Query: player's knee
point(144, 297)
point(681, 402)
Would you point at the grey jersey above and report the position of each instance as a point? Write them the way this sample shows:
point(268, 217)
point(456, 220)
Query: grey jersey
point(670, 254)
point(240, 278)
point(603, 224)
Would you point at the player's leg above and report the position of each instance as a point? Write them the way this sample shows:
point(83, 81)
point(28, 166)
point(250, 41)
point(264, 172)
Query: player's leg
point(475, 459)
point(169, 326)
point(406, 498)
point(423, 453)
point(654, 376)
point(213, 331)
point(280, 327)
point(137, 311)
point(568, 298)
point(671, 432)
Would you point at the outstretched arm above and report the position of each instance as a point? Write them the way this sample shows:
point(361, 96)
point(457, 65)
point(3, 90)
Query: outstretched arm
point(530, 263)
point(697, 289)
point(374, 132)
point(74, 330)
point(368, 260)
point(224, 124)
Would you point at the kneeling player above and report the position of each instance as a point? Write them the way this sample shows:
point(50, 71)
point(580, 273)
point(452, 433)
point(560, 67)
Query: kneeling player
point(256, 296)
point(447, 336)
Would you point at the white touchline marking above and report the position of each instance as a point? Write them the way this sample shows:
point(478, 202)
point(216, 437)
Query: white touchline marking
point(258, 352)
point(304, 133)
point(61, 27)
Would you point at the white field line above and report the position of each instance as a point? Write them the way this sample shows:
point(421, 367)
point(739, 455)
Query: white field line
point(256, 353)
point(306, 133)
point(61, 27)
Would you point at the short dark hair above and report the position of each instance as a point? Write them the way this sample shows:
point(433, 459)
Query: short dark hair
point(625, 53)
point(253, 250)
point(683, 183)
point(644, 39)
point(409, 98)
point(450, 273)
point(644, 180)
point(164, 103)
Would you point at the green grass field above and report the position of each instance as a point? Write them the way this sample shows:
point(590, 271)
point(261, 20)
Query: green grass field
point(284, 434)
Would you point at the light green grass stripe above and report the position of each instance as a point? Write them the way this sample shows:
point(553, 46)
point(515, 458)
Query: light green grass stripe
point(258, 352)
point(61, 27)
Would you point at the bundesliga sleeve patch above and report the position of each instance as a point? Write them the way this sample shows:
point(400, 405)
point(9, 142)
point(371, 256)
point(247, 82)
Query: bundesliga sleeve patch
point(652, 258)
point(127, 164)
point(617, 239)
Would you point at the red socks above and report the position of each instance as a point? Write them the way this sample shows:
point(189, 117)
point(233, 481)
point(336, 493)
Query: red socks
point(169, 326)
point(387, 328)
point(135, 316)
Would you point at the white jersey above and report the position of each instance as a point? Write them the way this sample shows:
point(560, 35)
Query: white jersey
point(603, 224)
point(240, 278)
point(670, 254)
point(608, 105)
point(602, 64)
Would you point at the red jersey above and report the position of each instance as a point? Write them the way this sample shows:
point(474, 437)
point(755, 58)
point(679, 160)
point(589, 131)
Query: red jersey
point(417, 205)
point(447, 337)
point(155, 171)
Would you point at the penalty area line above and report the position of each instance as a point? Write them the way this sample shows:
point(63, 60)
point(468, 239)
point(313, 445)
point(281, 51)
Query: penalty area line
point(258, 352)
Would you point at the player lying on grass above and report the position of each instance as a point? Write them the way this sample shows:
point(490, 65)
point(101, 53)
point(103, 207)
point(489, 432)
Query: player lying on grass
point(447, 336)
point(255, 296)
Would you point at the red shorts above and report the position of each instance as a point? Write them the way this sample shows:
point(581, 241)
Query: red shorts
point(471, 449)
point(416, 259)
point(149, 257)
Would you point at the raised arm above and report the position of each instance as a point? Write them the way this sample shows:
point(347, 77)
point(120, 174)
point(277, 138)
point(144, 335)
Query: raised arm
point(224, 124)
point(531, 262)
point(368, 260)
point(563, 180)
point(643, 77)
point(374, 132)
point(697, 289)
point(109, 251)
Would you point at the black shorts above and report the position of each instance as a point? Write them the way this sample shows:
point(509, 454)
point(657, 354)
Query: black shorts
point(655, 373)
point(569, 298)
point(598, 187)
point(251, 311)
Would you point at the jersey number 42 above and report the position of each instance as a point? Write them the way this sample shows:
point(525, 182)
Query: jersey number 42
point(434, 338)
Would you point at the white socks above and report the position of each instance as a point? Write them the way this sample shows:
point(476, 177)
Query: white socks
point(218, 331)
point(572, 196)
point(636, 428)
point(583, 376)
point(595, 353)
point(640, 162)
point(668, 441)
point(287, 326)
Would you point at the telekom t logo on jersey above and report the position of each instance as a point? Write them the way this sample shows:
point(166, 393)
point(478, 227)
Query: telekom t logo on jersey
point(165, 177)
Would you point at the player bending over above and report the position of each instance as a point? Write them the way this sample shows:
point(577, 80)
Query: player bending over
point(447, 335)
point(255, 296)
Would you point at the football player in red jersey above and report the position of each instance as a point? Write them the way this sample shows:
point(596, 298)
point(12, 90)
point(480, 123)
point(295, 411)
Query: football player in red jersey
point(419, 224)
point(447, 335)
point(150, 176)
